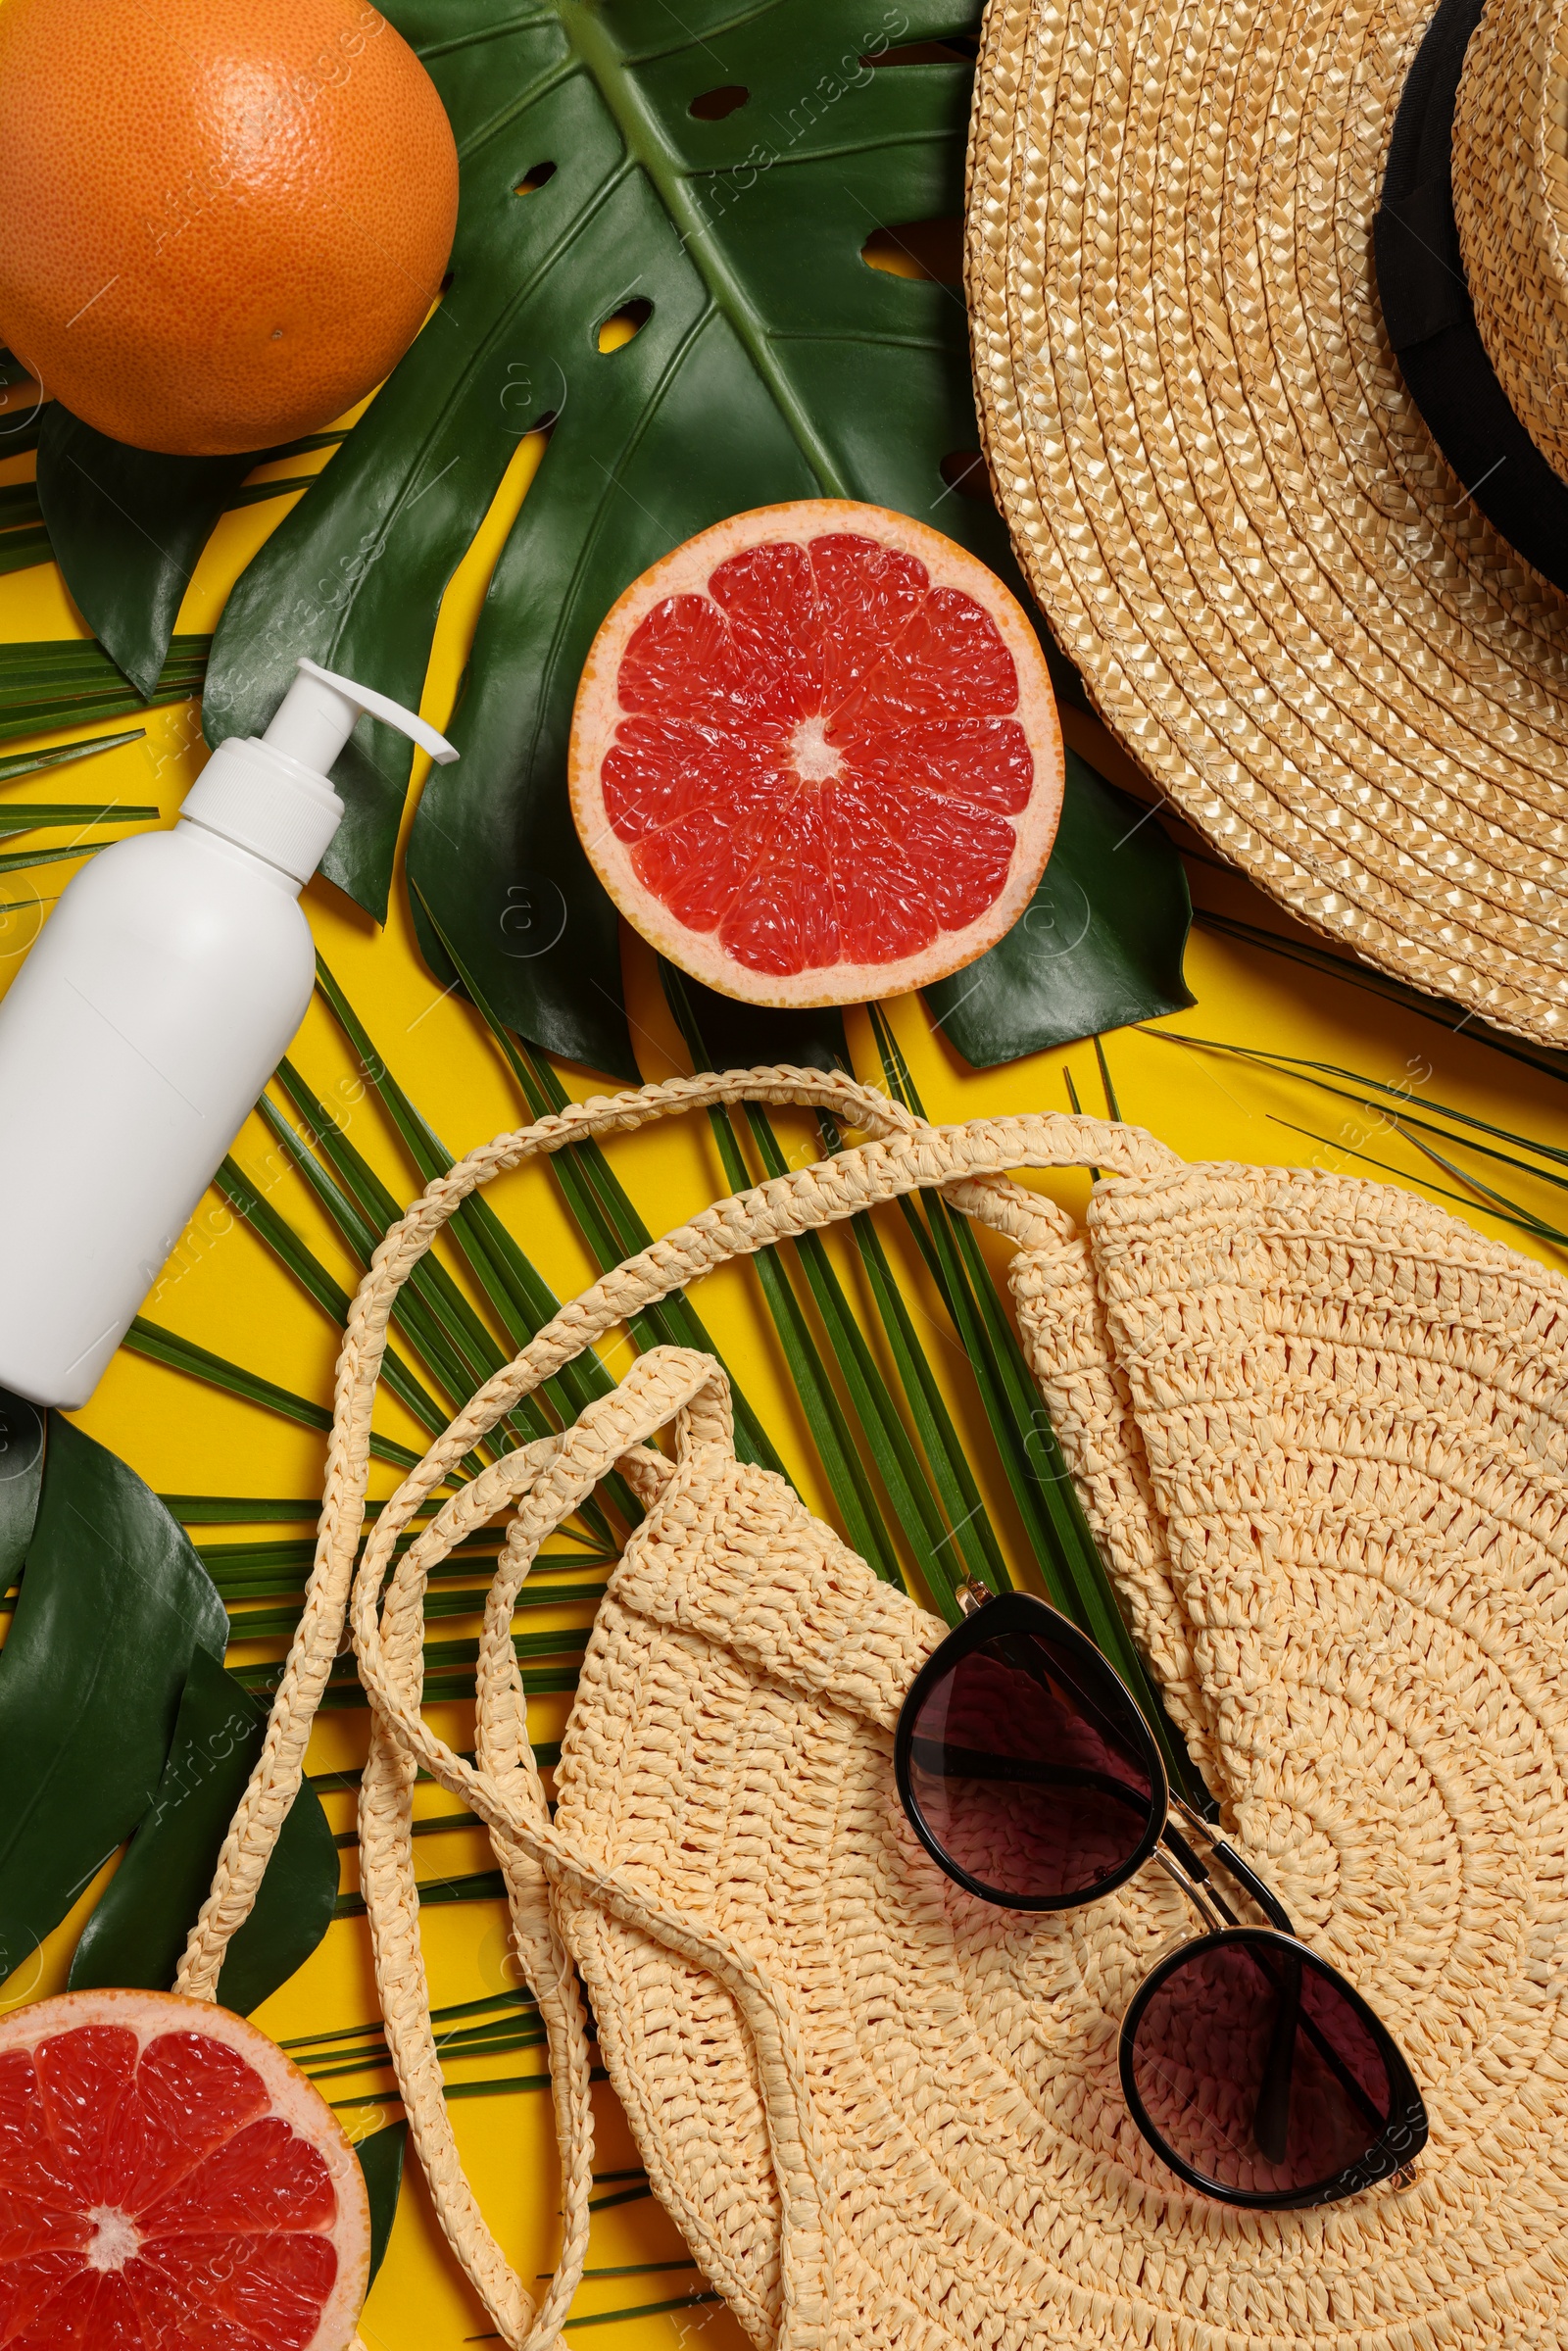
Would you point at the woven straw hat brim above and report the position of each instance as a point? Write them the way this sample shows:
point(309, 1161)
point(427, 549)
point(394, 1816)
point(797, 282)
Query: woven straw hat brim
point(1278, 593)
point(1329, 1468)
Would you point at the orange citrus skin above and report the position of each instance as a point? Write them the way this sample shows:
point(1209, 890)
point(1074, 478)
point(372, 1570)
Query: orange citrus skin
point(221, 222)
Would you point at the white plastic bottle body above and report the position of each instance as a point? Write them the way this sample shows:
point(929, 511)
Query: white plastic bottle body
point(134, 1040)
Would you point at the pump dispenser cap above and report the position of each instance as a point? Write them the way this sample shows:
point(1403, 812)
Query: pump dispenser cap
point(271, 793)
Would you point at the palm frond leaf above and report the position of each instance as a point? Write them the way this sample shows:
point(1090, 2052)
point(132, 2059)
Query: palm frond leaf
point(64, 682)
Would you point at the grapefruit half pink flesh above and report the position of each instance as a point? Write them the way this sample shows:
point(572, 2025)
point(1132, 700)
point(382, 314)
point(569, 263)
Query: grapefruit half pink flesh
point(170, 2182)
point(815, 756)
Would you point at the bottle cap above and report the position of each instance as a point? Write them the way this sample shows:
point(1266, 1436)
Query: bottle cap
point(269, 794)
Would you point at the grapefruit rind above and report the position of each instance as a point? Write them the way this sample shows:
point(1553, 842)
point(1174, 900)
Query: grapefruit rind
point(293, 2097)
point(224, 225)
point(598, 712)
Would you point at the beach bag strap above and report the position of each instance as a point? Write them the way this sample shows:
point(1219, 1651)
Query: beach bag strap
point(904, 1153)
point(547, 1481)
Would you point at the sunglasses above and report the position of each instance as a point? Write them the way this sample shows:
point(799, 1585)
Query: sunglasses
point(1249, 2065)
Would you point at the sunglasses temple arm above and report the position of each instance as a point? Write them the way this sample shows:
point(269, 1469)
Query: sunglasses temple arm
point(1271, 2117)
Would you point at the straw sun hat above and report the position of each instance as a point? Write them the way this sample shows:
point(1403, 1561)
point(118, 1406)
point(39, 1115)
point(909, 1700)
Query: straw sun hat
point(1271, 315)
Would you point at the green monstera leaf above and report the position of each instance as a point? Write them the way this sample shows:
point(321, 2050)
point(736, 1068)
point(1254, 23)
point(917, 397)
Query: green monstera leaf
point(126, 527)
point(137, 1931)
point(113, 1605)
point(712, 177)
point(117, 1715)
point(1098, 947)
point(709, 181)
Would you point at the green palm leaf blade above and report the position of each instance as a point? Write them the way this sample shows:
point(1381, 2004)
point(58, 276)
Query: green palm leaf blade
point(1510, 1211)
point(253, 1509)
point(411, 1315)
point(279, 1237)
point(522, 1299)
point(31, 762)
point(1504, 1212)
point(854, 1496)
point(610, 1225)
point(431, 1311)
point(1320, 1073)
point(19, 859)
point(613, 1229)
point(35, 816)
point(151, 1340)
point(1032, 1458)
point(919, 1516)
point(66, 681)
point(374, 2032)
point(20, 550)
point(271, 1623)
point(972, 1531)
point(440, 1320)
point(1325, 964)
point(773, 364)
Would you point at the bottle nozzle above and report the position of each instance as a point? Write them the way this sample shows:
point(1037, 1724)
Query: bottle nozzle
point(271, 795)
point(320, 711)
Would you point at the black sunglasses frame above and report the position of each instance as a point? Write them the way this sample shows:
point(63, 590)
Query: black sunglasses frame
point(1404, 2135)
point(994, 1619)
point(1394, 2149)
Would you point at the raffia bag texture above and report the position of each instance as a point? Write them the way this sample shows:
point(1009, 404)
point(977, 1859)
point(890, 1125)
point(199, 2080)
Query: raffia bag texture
point(1321, 1431)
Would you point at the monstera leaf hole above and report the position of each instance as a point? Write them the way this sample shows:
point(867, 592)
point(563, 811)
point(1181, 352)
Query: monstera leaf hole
point(622, 323)
point(716, 106)
point(533, 179)
point(932, 249)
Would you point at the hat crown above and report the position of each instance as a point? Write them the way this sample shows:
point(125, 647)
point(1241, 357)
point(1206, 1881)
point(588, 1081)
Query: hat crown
point(1510, 200)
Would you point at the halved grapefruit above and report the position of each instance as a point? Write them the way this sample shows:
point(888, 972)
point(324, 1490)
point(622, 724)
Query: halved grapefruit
point(815, 756)
point(170, 2182)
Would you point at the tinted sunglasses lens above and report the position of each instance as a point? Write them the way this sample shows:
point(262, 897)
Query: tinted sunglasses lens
point(1029, 1767)
point(1258, 2069)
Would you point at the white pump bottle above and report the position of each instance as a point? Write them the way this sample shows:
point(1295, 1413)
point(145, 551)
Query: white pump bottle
point(154, 1005)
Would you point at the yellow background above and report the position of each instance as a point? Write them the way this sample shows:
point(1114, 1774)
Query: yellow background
point(223, 1290)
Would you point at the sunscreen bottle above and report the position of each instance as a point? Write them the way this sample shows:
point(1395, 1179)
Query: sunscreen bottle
point(149, 1015)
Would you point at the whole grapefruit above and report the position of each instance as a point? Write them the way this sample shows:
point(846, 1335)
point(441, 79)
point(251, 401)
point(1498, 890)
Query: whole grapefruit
point(220, 220)
point(815, 756)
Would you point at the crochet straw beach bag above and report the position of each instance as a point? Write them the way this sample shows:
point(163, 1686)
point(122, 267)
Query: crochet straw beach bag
point(1321, 1431)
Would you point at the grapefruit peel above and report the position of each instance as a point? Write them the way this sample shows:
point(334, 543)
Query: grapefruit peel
point(815, 757)
point(171, 2182)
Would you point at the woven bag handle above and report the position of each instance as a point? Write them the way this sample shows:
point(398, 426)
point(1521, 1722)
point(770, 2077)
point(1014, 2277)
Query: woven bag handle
point(503, 1789)
point(905, 1154)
